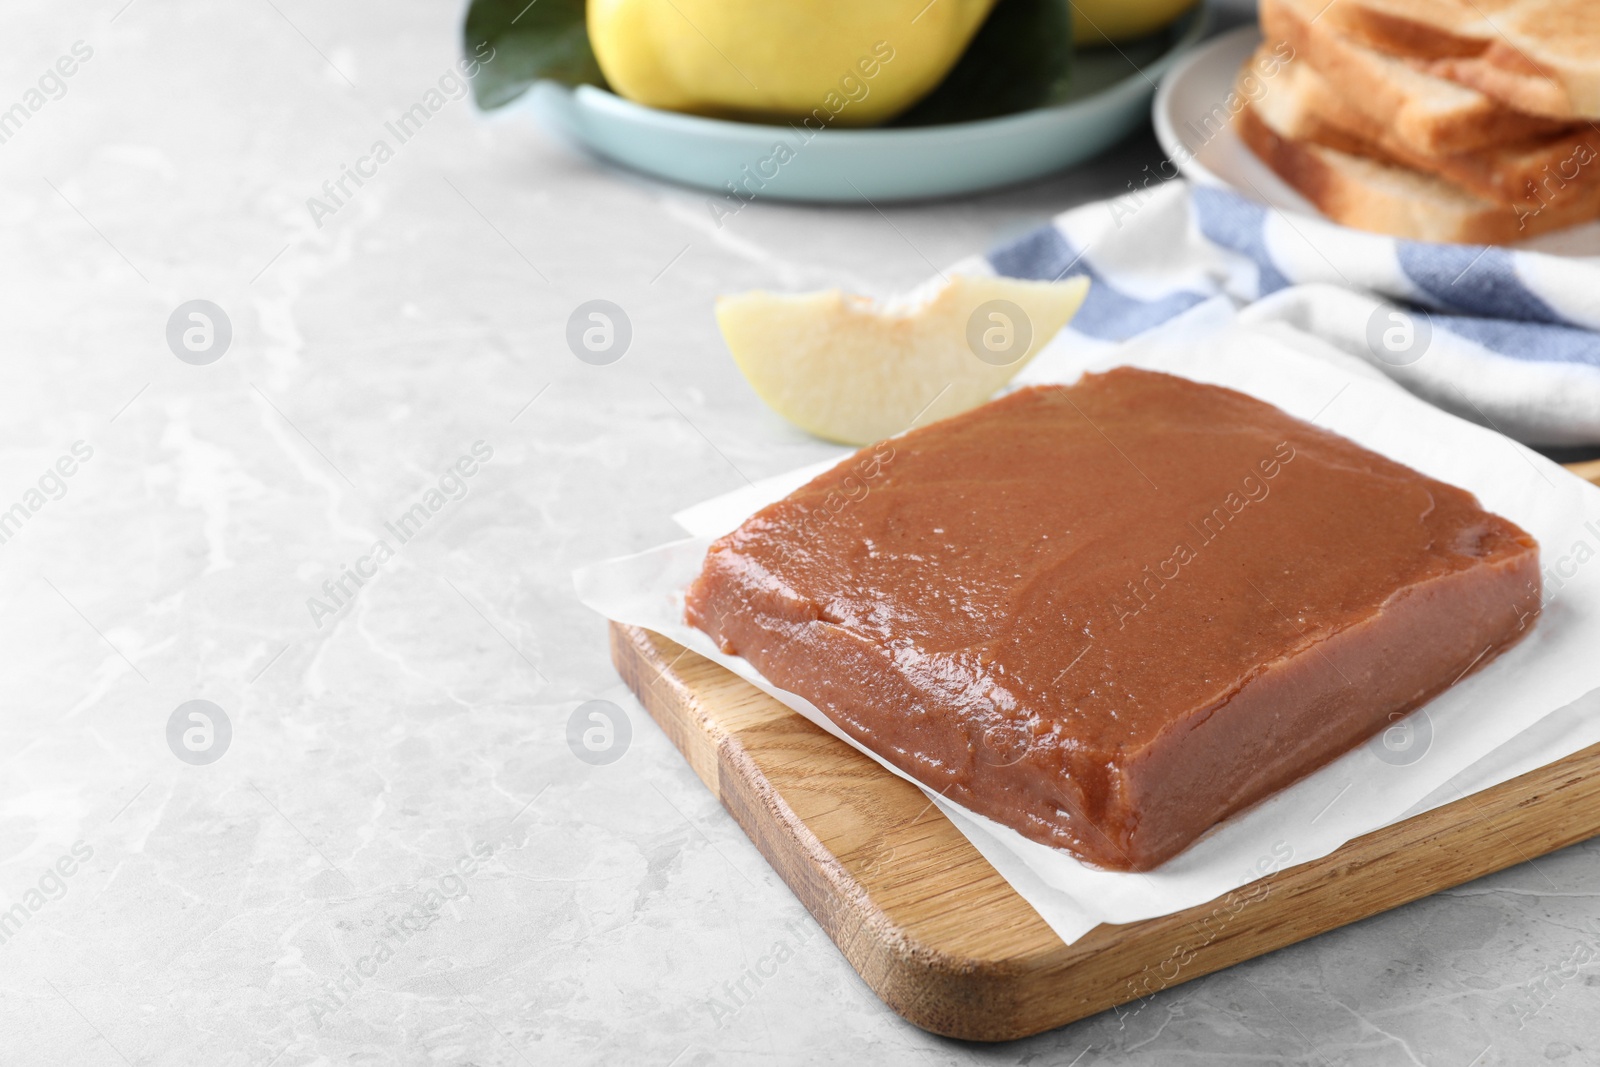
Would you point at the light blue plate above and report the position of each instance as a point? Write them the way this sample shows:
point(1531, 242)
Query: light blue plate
point(1111, 92)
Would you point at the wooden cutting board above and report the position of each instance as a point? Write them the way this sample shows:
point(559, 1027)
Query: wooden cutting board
point(946, 942)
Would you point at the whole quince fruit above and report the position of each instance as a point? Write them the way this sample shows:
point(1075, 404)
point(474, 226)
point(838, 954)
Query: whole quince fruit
point(820, 62)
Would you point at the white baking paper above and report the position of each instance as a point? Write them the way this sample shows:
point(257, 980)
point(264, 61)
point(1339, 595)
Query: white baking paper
point(1491, 726)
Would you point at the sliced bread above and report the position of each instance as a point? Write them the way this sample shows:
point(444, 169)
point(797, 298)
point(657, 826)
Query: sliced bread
point(1363, 191)
point(1427, 29)
point(1532, 174)
point(1433, 114)
point(1538, 56)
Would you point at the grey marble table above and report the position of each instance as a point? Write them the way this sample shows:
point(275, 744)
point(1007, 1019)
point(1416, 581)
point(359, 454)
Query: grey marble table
point(398, 858)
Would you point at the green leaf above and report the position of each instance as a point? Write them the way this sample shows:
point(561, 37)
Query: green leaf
point(519, 43)
point(1021, 58)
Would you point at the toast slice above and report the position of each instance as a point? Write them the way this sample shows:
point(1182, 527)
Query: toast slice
point(1532, 174)
point(1433, 114)
point(1362, 190)
point(1422, 29)
point(1538, 56)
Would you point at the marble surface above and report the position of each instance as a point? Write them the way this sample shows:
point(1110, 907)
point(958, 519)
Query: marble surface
point(397, 856)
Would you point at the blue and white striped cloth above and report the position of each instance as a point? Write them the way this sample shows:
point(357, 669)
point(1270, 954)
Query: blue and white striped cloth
point(1513, 333)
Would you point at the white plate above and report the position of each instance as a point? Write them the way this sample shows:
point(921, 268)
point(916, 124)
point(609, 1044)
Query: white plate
point(1201, 82)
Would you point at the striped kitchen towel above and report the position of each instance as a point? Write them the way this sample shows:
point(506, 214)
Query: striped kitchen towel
point(1505, 338)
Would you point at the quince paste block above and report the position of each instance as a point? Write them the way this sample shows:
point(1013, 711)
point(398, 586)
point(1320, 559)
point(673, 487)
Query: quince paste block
point(1111, 615)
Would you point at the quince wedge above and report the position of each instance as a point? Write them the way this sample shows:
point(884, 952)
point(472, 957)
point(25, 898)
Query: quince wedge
point(821, 62)
point(853, 370)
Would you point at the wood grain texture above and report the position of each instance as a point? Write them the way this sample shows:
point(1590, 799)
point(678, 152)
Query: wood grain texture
point(946, 942)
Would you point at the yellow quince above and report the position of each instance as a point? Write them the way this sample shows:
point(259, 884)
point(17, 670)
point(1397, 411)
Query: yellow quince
point(820, 62)
point(1104, 21)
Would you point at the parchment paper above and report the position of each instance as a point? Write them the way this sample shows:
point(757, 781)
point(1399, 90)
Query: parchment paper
point(1538, 702)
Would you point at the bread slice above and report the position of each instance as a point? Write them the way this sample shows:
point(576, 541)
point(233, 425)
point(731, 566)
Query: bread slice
point(1363, 191)
point(1532, 174)
point(1554, 87)
point(1423, 29)
point(1538, 56)
point(1433, 114)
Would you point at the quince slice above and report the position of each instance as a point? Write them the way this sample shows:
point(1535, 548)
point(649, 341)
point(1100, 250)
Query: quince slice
point(853, 370)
